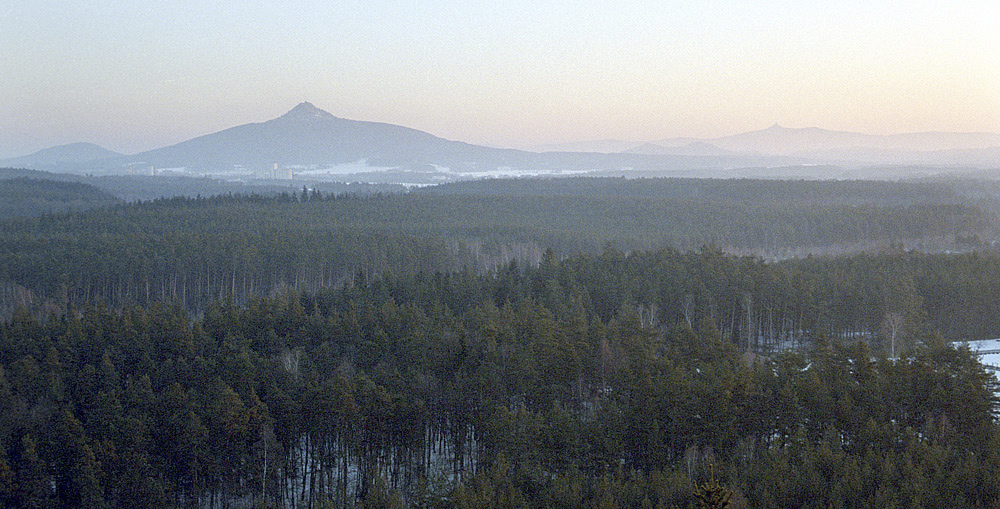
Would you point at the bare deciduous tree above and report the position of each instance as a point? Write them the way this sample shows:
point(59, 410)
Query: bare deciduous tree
point(892, 327)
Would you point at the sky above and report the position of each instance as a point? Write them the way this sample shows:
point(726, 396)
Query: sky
point(133, 76)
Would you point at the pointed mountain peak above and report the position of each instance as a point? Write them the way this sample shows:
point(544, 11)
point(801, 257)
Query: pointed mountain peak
point(778, 128)
point(306, 109)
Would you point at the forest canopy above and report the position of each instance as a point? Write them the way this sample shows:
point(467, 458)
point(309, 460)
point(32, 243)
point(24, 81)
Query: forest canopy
point(586, 343)
point(458, 390)
point(31, 197)
point(196, 250)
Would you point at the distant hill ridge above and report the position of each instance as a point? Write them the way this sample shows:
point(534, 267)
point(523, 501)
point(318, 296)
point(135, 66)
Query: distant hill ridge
point(62, 154)
point(805, 141)
point(798, 141)
point(309, 137)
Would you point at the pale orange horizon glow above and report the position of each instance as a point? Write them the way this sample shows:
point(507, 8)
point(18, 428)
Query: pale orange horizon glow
point(513, 74)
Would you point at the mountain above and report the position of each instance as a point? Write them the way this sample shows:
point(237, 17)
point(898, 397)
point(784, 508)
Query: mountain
point(309, 136)
point(61, 155)
point(307, 143)
point(312, 143)
point(815, 142)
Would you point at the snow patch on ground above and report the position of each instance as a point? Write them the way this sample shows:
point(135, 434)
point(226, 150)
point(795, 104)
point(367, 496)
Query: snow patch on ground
point(359, 166)
point(988, 352)
point(508, 172)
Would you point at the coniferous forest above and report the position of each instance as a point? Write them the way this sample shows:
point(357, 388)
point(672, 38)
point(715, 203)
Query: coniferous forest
point(584, 343)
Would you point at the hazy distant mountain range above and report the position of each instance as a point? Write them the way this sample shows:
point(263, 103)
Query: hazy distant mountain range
point(309, 142)
point(822, 145)
point(61, 155)
point(812, 140)
point(307, 135)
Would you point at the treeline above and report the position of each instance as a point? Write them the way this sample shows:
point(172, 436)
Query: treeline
point(32, 197)
point(814, 192)
point(22, 201)
point(195, 250)
point(234, 253)
point(555, 386)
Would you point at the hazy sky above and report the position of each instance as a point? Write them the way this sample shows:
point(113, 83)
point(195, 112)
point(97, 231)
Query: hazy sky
point(133, 76)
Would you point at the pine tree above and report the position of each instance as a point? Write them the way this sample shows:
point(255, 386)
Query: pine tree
point(33, 480)
point(710, 494)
